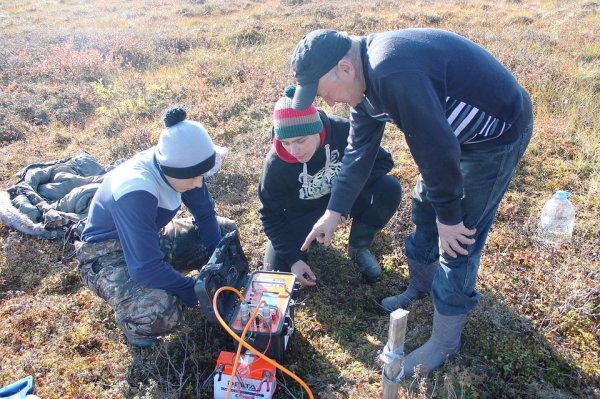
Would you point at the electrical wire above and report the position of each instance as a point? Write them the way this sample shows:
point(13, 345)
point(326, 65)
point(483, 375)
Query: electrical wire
point(250, 347)
point(268, 324)
point(236, 360)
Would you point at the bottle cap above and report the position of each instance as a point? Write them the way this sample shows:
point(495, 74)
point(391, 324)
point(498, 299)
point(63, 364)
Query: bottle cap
point(562, 195)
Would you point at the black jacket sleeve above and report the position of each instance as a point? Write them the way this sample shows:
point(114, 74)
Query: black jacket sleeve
point(341, 127)
point(359, 157)
point(273, 195)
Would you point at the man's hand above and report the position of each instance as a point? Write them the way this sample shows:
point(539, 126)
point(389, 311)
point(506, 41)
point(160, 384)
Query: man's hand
point(323, 230)
point(305, 276)
point(451, 238)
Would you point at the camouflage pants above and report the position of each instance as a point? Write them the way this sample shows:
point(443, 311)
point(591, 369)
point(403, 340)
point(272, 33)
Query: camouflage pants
point(143, 312)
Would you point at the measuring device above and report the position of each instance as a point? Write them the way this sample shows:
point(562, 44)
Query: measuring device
point(271, 296)
point(271, 293)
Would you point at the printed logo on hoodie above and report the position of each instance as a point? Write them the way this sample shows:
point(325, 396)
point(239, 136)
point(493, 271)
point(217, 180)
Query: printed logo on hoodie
point(320, 184)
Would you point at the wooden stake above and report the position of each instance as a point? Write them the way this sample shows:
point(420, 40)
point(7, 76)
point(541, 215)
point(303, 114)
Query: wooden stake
point(393, 356)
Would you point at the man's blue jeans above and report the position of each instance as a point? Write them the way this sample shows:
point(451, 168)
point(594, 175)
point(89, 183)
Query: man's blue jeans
point(487, 172)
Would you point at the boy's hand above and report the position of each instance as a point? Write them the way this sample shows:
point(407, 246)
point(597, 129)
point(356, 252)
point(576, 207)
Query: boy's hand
point(304, 274)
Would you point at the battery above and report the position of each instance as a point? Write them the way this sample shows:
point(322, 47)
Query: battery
point(271, 330)
point(255, 377)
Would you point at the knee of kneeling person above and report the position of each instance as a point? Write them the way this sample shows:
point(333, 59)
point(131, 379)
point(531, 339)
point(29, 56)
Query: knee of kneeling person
point(393, 191)
point(227, 225)
point(153, 319)
point(387, 192)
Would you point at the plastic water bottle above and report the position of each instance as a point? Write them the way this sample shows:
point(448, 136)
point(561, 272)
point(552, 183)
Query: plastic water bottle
point(557, 219)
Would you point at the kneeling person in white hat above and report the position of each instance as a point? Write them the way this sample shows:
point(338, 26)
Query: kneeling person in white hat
point(133, 246)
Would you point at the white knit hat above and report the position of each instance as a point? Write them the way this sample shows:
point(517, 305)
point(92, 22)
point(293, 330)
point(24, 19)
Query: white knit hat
point(184, 148)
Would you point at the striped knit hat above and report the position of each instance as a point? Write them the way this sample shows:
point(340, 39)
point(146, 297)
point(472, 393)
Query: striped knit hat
point(288, 122)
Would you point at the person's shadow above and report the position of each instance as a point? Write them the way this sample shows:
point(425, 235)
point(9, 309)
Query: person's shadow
point(340, 330)
point(229, 188)
point(341, 320)
point(343, 324)
point(23, 269)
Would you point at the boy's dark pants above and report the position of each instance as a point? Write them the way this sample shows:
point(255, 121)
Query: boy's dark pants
point(374, 207)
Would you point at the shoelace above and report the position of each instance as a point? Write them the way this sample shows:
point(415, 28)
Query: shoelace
point(327, 161)
point(327, 167)
point(304, 175)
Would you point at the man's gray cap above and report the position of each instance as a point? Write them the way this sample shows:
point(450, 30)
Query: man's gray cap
point(315, 55)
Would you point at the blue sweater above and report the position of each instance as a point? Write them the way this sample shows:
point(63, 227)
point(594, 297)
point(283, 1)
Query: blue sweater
point(132, 204)
point(444, 92)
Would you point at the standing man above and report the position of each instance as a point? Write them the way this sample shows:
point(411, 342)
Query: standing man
point(466, 121)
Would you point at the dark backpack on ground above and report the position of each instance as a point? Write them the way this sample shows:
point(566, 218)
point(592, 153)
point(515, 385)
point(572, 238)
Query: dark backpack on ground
point(228, 266)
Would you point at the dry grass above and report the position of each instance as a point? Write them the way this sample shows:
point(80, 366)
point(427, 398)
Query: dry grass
point(97, 75)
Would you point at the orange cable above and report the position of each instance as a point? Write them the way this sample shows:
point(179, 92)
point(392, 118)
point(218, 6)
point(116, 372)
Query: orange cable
point(250, 347)
point(239, 349)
